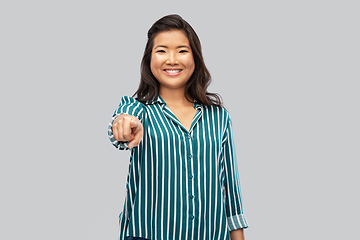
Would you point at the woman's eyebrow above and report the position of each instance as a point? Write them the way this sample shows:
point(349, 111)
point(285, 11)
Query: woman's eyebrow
point(163, 46)
point(185, 46)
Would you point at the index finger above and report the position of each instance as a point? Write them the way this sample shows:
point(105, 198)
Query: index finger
point(137, 132)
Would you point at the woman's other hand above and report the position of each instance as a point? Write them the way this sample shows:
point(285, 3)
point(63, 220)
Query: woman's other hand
point(127, 128)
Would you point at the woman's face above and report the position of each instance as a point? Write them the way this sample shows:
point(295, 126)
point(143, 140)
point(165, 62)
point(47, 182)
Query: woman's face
point(172, 61)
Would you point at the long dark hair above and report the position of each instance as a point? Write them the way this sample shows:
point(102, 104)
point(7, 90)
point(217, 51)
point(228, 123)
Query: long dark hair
point(196, 87)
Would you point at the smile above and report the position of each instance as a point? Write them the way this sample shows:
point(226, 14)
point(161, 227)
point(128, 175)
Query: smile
point(172, 72)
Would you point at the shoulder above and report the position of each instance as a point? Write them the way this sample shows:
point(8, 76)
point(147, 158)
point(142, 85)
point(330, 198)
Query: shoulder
point(221, 111)
point(129, 106)
point(127, 100)
point(216, 115)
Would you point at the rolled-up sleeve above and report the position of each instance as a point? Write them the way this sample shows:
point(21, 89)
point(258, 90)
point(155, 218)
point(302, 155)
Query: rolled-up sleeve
point(233, 199)
point(130, 106)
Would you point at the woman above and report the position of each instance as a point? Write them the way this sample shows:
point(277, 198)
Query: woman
point(183, 177)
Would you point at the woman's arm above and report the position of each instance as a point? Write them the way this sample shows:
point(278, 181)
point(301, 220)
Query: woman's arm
point(231, 182)
point(237, 234)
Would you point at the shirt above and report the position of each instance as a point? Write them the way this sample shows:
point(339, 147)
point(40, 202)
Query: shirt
point(181, 184)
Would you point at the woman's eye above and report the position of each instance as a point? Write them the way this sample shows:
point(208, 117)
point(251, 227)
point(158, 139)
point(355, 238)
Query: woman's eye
point(183, 51)
point(161, 51)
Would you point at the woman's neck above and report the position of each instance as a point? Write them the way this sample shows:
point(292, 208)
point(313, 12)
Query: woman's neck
point(174, 97)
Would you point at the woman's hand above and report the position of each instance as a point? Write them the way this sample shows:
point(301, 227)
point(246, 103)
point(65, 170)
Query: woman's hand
point(237, 234)
point(127, 128)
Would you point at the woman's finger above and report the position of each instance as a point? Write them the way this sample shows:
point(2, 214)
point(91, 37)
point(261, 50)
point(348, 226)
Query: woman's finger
point(137, 132)
point(120, 131)
point(115, 132)
point(126, 128)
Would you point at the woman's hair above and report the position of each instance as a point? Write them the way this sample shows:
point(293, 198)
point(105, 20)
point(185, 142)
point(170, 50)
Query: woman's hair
point(196, 87)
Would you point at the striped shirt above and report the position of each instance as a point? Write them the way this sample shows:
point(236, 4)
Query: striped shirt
point(181, 184)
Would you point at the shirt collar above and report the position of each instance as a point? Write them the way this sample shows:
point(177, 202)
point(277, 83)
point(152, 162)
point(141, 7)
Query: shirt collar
point(161, 101)
point(158, 99)
point(197, 104)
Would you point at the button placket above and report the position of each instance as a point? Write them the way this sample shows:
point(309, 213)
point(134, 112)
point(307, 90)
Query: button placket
point(191, 176)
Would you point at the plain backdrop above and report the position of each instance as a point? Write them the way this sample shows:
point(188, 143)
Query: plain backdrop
point(288, 72)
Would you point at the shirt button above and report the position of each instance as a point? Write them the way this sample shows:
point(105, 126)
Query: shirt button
point(192, 216)
point(190, 156)
point(189, 136)
point(191, 176)
point(192, 196)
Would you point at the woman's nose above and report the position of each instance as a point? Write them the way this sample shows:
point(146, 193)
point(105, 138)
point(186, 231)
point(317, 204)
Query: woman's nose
point(172, 59)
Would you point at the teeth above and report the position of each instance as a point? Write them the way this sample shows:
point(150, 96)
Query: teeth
point(172, 71)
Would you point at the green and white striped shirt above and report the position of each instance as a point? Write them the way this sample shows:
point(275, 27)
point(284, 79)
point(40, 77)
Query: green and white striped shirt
point(181, 184)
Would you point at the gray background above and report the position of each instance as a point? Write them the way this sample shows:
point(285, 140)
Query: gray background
point(288, 72)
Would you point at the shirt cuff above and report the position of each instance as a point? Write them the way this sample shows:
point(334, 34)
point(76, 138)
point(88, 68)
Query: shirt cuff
point(236, 222)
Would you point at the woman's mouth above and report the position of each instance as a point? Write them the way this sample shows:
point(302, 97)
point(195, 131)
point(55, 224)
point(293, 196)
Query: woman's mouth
point(172, 72)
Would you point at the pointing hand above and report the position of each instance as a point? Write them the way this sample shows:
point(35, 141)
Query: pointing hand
point(127, 128)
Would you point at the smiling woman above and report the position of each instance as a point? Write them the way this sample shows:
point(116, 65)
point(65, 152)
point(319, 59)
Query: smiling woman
point(183, 180)
point(172, 61)
point(196, 86)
